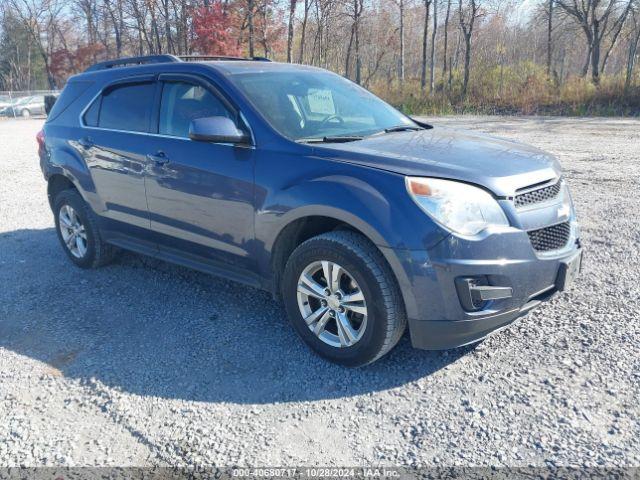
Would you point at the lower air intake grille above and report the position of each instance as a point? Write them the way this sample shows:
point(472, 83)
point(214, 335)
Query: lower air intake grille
point(537, 196)
point(550, 238)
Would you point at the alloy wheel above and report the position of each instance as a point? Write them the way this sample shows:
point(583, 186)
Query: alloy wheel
point(332, 304)
point(72, 231)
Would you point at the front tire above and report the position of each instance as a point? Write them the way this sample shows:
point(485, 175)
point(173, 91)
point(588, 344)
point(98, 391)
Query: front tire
point(78, 231)
point(342, 298)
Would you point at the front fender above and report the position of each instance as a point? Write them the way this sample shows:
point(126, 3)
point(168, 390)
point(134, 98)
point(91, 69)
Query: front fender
point(373, 201)
point(344, 198)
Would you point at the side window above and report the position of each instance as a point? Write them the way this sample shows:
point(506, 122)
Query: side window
point(127, 107)
point(182, 102)
point(91, 115)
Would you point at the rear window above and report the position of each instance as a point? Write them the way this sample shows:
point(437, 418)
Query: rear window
point(127, 107)
point(71, 92)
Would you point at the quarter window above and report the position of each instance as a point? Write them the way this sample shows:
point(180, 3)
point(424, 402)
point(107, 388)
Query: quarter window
point(91, 115)
point(182, 102)
point(127, 107)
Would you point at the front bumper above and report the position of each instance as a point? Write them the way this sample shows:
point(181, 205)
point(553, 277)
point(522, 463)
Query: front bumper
point(437, 318)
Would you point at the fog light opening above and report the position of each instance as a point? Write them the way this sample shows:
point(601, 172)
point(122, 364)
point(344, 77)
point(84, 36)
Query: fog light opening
point(476, 294)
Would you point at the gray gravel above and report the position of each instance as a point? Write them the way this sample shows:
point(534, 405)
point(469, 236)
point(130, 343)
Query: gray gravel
point(143, 363)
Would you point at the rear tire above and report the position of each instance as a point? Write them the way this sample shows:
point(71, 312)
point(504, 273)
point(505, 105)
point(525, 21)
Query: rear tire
point(78, 232)
point(360, 316)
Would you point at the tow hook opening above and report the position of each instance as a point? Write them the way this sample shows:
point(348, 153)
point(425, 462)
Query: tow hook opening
point(476, 294)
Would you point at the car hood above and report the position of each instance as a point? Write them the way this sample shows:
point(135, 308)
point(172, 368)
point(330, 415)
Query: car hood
point(502, 166)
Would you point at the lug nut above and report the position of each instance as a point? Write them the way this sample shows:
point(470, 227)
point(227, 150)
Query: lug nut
point(327, 291)
point(332, 313)
point(341, 309)
point(323, 303)
point(338, 295)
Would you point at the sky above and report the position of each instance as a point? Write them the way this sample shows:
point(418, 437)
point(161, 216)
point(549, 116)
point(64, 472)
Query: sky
point(525, 8)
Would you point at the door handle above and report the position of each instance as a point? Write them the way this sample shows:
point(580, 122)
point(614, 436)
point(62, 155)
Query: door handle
point(86, 142)
point(159, 158)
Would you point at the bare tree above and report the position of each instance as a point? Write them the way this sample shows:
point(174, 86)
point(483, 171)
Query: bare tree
point(446, 40)
point(250, 13)
point(303, 29)
point(432, 81)
point(88, 9)
point(114, 13)
point(401, 67)
point(425, 37)
point(549, 35)
point(265, 26)
point(595, 19)
point(358, 6)
point(615, 34)
point(354, 39)
point(379, 43)
point(292, 13)
point(634, 41)
point(40, 19)
point(167, 20)
point(468, 15)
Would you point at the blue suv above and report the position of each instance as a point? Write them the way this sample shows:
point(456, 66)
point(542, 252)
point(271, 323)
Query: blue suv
point(295, 180)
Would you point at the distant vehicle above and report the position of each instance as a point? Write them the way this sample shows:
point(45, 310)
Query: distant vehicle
point(25, 107)
point(6, 101)
point(295, 180)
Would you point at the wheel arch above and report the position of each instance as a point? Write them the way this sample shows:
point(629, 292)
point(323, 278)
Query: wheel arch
point(308, 223)
point(56, 183)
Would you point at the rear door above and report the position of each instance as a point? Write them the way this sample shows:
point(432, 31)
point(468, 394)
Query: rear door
point(200, 194)
point(115, 142)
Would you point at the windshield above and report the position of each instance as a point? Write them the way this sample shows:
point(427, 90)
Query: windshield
point(309, 105)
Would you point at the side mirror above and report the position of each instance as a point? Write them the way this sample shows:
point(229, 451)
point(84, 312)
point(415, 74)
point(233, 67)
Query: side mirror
point(217, 130)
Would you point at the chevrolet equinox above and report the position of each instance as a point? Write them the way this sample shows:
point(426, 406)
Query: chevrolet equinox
point(295, 180)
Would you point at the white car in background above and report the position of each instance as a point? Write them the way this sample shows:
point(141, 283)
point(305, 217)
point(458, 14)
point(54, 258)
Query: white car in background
point(5, 101)
point(25, 107)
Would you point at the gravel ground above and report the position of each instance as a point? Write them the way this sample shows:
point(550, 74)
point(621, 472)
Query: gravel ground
point(143, 363)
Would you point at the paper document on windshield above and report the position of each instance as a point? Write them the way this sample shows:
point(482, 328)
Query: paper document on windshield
point(321, 101)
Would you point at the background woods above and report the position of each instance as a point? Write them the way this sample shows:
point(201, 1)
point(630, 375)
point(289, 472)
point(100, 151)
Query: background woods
point(424, 56)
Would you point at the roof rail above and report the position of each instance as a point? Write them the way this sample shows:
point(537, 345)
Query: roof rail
point(127, 61)
point(204, 58)
point(122, 62)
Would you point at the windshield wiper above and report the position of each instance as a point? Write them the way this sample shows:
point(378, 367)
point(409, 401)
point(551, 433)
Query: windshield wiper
point(399, 128)
point(329, 139)
point(402, 128)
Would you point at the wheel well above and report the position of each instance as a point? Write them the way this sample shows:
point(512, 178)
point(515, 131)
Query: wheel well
point(296, 233)
point(58, 183)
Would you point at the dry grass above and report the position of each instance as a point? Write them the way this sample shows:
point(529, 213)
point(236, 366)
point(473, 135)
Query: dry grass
point(524, 89)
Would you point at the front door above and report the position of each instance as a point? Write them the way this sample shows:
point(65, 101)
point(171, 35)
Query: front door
point(200, 195)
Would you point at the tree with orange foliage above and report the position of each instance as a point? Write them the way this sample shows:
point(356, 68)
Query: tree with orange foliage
point(215, 30)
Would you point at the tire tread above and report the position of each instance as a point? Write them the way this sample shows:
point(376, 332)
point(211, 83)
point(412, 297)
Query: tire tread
point(104, 253)
point(361, 247)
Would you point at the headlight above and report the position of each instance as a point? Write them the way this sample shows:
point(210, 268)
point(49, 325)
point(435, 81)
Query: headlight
point(457, 206)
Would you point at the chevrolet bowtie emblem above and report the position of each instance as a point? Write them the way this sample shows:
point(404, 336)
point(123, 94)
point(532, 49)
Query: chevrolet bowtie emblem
point(564, 211)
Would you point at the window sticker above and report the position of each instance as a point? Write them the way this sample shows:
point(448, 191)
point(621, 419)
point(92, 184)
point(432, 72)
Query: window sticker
point(321, 101)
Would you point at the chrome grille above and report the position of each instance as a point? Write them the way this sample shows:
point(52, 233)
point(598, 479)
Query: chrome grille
point(550, 238)
point(538, 195)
